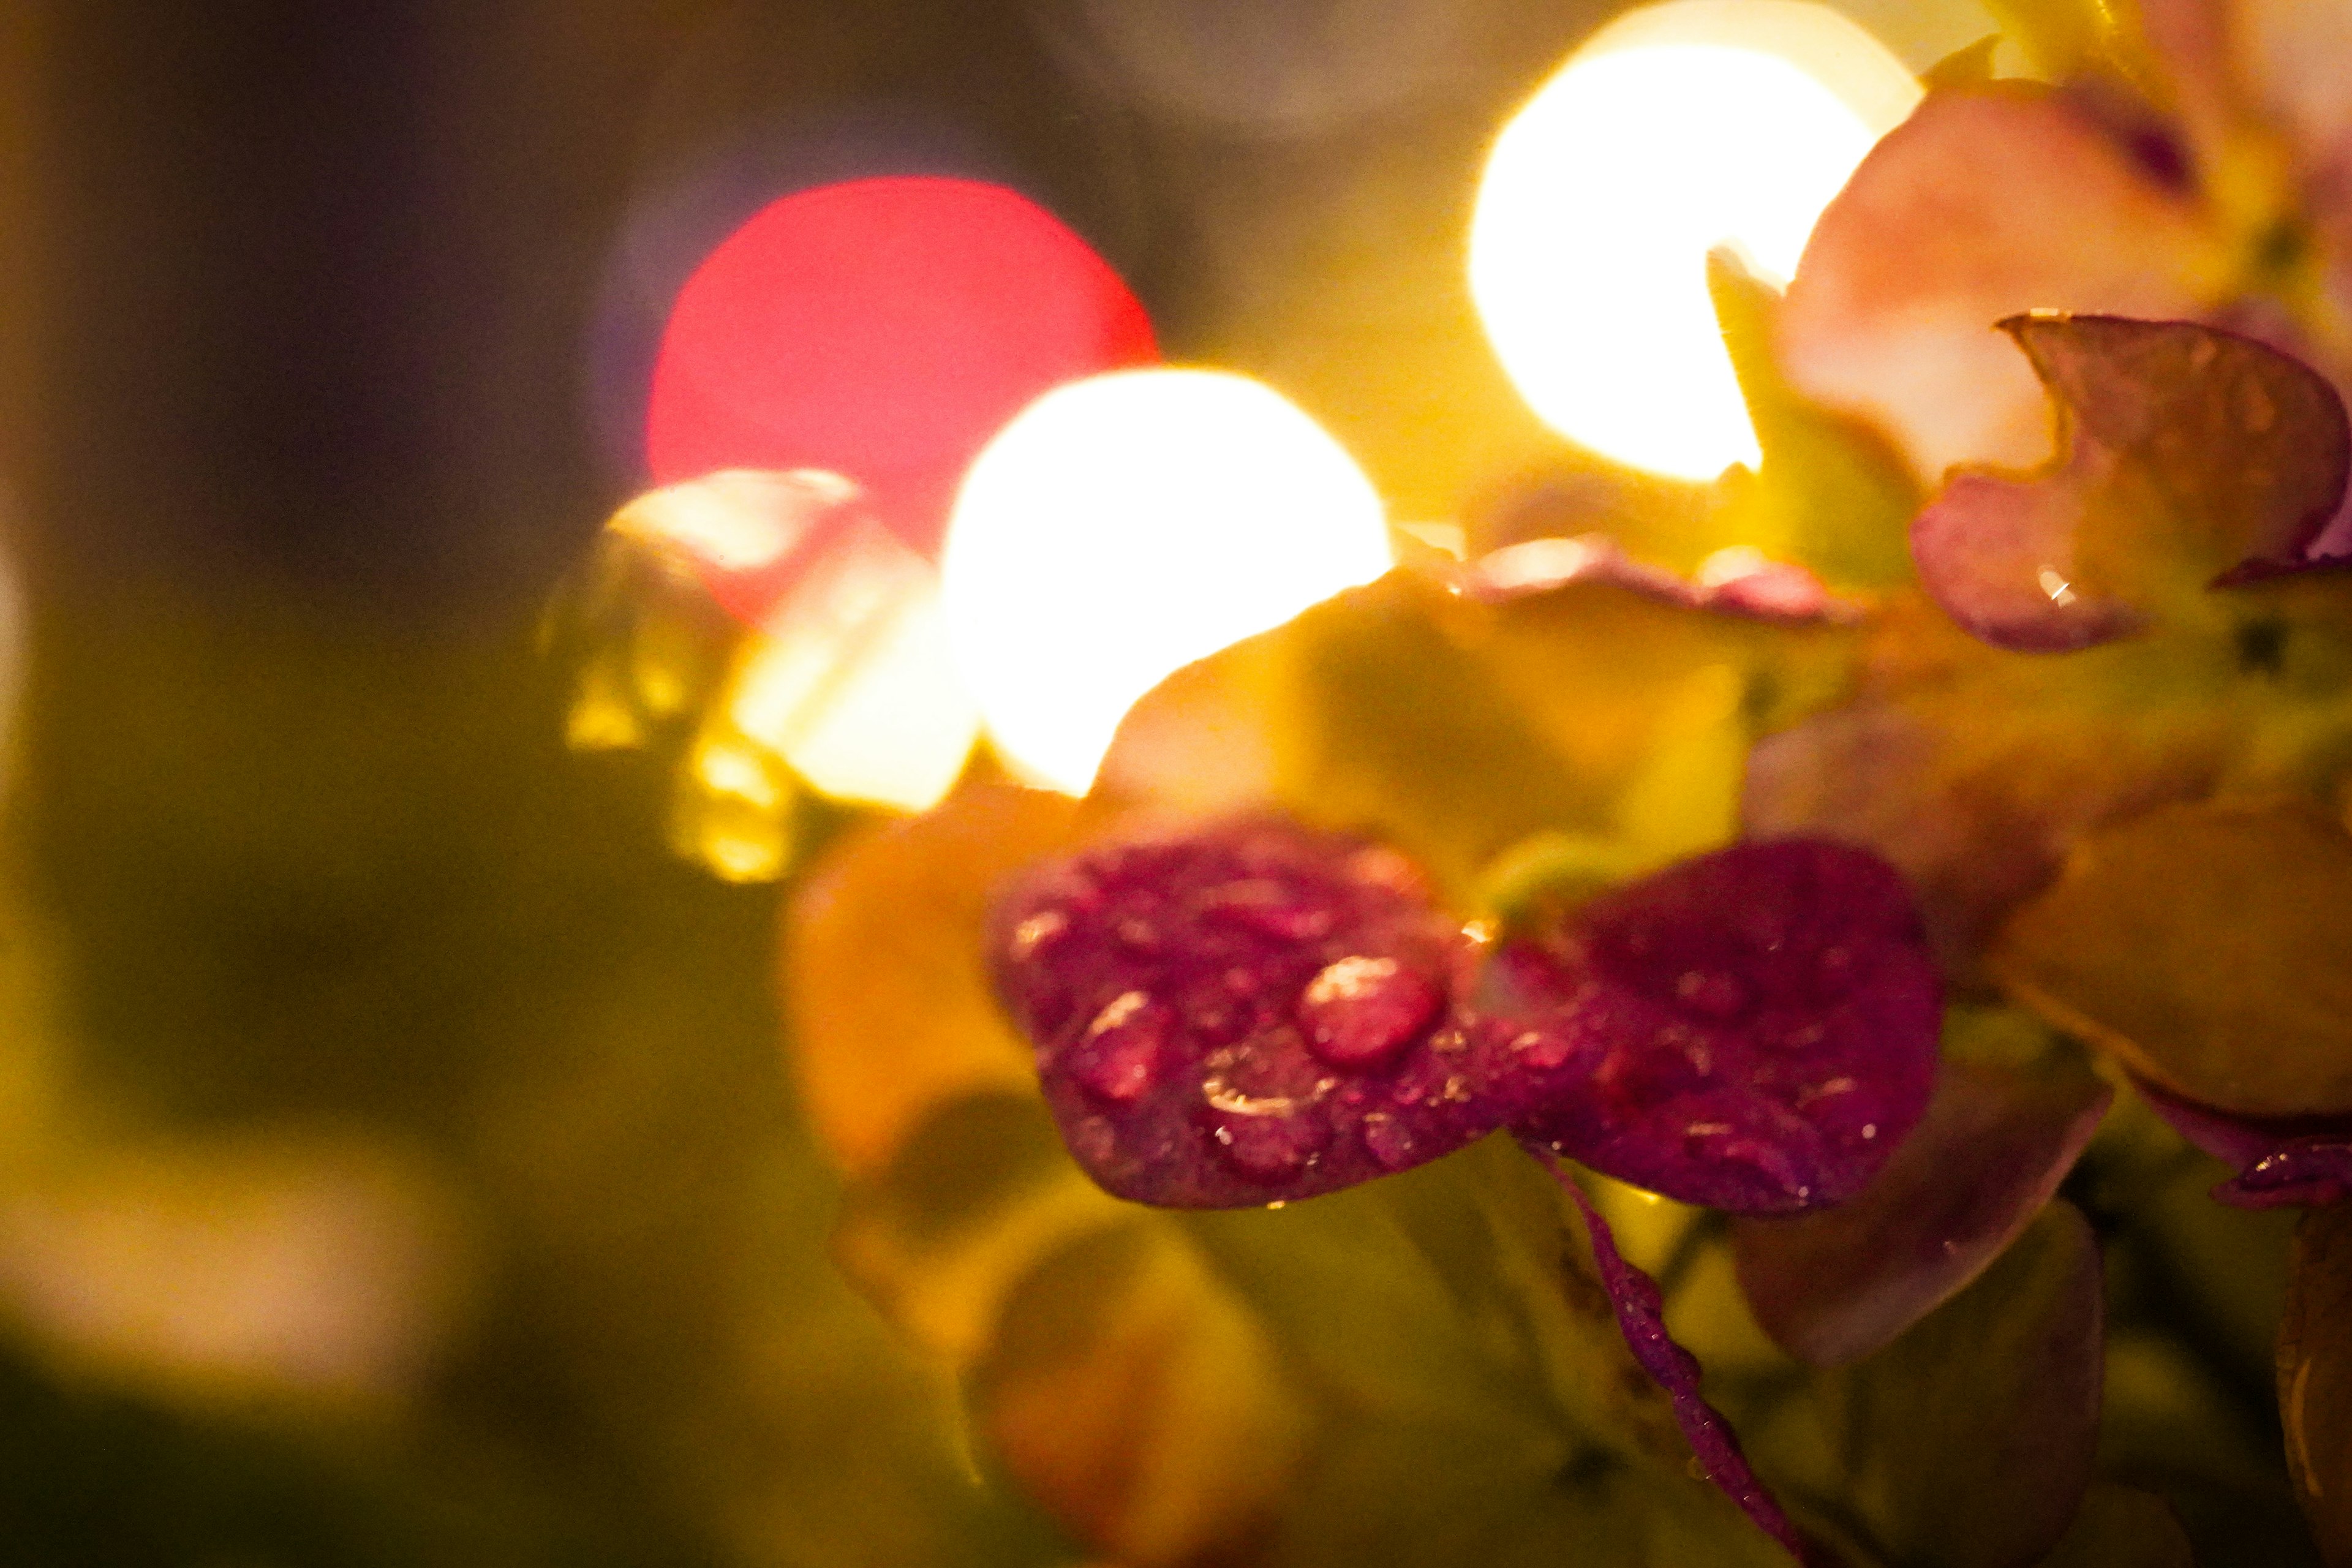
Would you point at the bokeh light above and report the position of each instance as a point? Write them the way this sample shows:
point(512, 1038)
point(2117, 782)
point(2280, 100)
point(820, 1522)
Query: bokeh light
point(882, 328)
point(853, 683)
point(1679, 128)
point(847, 685)
point(1124, 526)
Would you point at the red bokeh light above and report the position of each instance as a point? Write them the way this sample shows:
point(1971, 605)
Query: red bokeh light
point(883, 329)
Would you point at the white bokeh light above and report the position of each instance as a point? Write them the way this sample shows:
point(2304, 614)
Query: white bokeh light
point(1677, 128)
point(1126, 525)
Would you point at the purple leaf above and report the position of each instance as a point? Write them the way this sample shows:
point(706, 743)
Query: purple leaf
point(1834, 1287)
point(1752, 1030)
point(1998, 555)
point(2283, 1161)
point(1732, 581)
point(1251, 1013)
point(2302, 1172)
point(2188, 456)
point(1641, 1317)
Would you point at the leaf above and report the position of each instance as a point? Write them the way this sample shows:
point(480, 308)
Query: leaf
point(1829, 492)
point(1122, 1384)
point(2308, 1173)
point(1482, 1405)
point(1835, 1286)
point(1752, 1030)
point(2119, 1527)
point(2315, 1378)
point(1242, 1013)
point(1455, 728)
point(1968, 1442)
point(1986, 202)
point(1975, 769)
point(2198, 943)
point(2184, 452)
point(892, 1009)
point(1140, 1401)
point(2061, 38)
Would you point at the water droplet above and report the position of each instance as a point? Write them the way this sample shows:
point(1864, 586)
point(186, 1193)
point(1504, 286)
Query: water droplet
point(1826, 1089)
point(1268, 909)
point(1094, 1141)
point(1389, 1140)
point(1869, 1130)
point(1269, 1148)
point(1715, 995)
point(1541, 1049)
point(1036, 932)
point(1118, 1056)
point(1362, 1011)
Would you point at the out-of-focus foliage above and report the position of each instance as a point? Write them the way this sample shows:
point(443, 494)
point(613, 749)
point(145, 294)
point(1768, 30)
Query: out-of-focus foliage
point(2192, 941)
point(2315, 1376)
point(319, 931)
point(1836, 1285)
point(1591, 719)
point(1994, 1395)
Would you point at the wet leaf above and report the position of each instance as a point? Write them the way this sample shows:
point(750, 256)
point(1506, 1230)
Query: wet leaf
point(1243, 1013)
point(1455, 728)
point(892, 1010)
point(2315, 1378)
point(2308, 1173)
point(1753, 1030)
point(1835, 1286)
point(1968, 1442)
point(2196, 942)
point(2184, 451)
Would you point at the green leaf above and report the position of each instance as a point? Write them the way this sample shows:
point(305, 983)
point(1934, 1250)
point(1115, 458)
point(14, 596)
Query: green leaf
point(2065, 38)
point(1830, 493)
point(1457, 729)
point(2315, 1378)
point(1968, 1442)
point(2202, 943)
point(2121, 1528)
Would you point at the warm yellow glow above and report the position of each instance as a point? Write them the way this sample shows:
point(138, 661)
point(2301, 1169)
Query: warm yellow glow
point(739, 519)
point(1126, 525)
point(1676, 128)
point(851, 682)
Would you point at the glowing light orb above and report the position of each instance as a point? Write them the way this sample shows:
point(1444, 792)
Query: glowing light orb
point(1676, 128)
point(882, 328)
point(1125, 526)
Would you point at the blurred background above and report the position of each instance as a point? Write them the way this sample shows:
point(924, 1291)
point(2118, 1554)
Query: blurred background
point(398, 1160)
